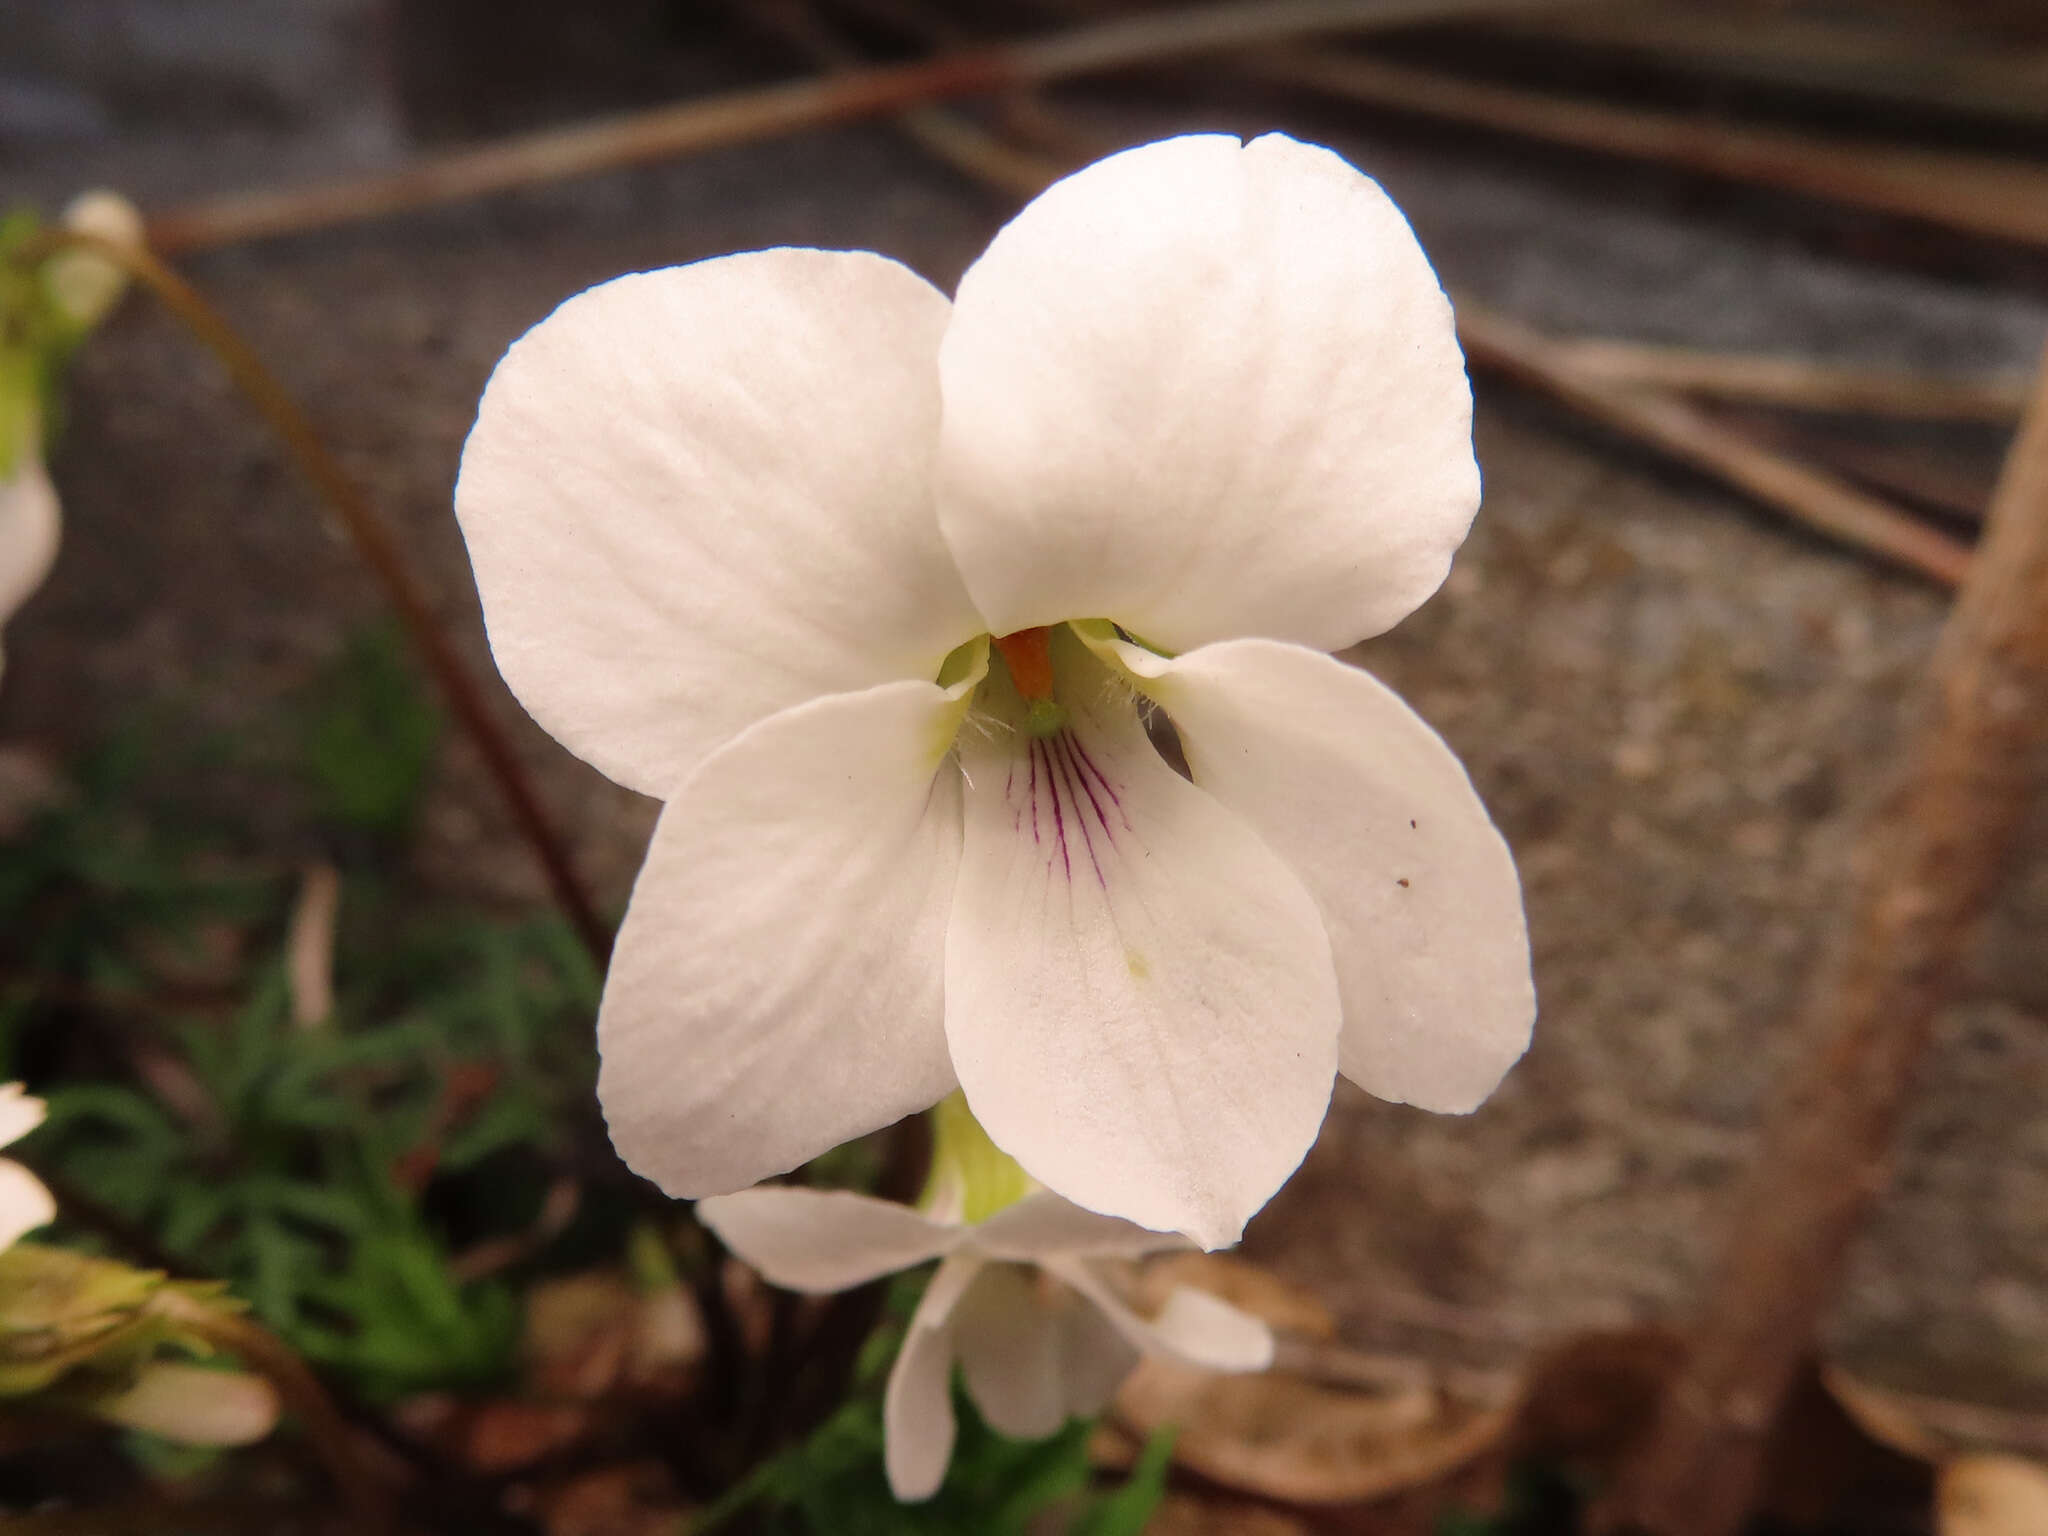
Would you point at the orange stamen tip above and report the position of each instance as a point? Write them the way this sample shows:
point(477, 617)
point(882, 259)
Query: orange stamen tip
point(1028, 655)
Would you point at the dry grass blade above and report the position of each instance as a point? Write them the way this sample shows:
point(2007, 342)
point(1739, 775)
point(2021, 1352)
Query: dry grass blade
point(1798, 382)
point(1839, 55)
point(739, 117)
point(2006, 199)
point(1818, 500)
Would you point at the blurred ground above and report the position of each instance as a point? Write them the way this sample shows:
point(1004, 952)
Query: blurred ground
point(1678, 708)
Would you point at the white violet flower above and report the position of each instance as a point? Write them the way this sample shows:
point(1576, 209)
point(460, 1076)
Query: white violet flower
point(1025, 1300)
point(24, 1203)
point(872, 588)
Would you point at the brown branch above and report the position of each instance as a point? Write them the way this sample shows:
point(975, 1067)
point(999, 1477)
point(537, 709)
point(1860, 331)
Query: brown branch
point(738, 117)
point(1671, 426)
point(379, 549)
point(1932, 860)
point(1800, 383)
point(1977, 194)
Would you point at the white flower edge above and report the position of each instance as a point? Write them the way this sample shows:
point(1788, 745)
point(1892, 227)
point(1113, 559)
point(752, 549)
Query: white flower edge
point(31, 525)
point(24, 1203)
point(1032, 1357)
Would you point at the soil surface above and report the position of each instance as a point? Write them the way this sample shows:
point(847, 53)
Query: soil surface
point(1679, 708)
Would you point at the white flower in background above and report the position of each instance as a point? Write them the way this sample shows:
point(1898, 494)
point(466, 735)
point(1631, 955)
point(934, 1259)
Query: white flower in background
point(29, 524)
point(741, 529)
point(84, 285)
point(24, 1203)
point(1027, 1302)
point(66, 297)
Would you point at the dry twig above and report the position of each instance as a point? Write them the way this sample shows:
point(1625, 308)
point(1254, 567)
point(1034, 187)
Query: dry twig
point(379, 549)
point(1673, 427)
point(1932, 861)
point(739, 117)
point(1799, 383)
point(1977, 194)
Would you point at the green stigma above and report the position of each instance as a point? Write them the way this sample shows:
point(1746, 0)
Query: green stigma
point(1044, 717)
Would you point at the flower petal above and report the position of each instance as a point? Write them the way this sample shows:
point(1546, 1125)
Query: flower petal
point(193, 1405)
point(30, 527)
point(1366, 803)
point(1139, 996)
point(777, 986)
point(24, 1203)
point(917, 1408)
point(1206, 390)
point(821, 1240)
point(19, 1112)
point(1034, 1353)
point(1046, 1223)
point(1194, 1326)
point(697, 496)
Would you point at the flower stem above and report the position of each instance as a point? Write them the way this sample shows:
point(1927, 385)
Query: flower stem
point(373, 540)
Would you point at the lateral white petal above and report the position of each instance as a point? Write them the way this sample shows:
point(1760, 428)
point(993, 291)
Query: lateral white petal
point(696, 496)
point(1194, 1326)
point(1046, 1223)
point(24, 1203)
point(777, 985)
point(1139, 996)
point(917, 1407)
point(1366, 803)
point(820, 1240)
point(1206, 389)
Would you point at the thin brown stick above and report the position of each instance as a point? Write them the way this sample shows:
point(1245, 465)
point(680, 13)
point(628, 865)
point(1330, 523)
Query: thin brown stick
point(739, 117)
point(360, 1481)
point(1977, 194)
point(1815, 498)
point(943, 133)
point(379, 550)
point(1924, 66)
point(1800, 383)
point(1932, 860)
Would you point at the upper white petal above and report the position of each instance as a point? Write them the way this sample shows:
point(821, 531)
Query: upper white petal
point(917, 1408)
point(1139, 996)
point(24, 1203)
point(777, 986)
point(1194, 1326)
point(823, 1240)
point(1205, 390)
point(696, 496)
point(1045, 1224)
point(1377, 816)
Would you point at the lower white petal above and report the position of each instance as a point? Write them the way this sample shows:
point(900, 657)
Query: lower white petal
point(1045, 1224)
point(820, 1240)
point(1034, 1352)
point(192, 1405)
point(1194, 1326)
point(1374, 812)
point(777, 984)
point(24, 1203)
point(1139, 995)
point(917, 1409)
